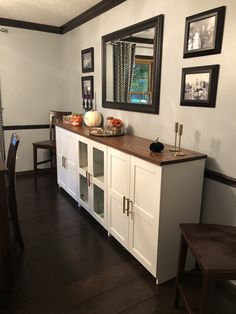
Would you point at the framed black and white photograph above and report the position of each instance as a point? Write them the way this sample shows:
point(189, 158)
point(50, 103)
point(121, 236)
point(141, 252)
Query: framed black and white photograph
point(204, 33)
point(87, 59)
point(87, 87)
point(199, 86)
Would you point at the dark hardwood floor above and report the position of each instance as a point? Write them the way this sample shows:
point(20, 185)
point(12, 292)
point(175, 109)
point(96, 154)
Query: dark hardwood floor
point(71, 266)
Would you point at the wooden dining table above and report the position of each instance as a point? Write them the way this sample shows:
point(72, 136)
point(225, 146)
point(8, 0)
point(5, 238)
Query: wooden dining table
point(5, 244)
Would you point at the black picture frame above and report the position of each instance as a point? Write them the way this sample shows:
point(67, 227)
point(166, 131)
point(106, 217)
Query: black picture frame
point(87, 60)
point(87, 87)
point(199, 86)
point(204, 33)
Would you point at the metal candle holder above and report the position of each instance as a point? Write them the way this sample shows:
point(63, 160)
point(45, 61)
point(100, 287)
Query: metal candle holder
point(175, 149)
point(178, 150)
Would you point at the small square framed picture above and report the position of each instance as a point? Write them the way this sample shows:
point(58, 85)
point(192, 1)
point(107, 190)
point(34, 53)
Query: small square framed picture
point(199, 86)
point(204, 33)
point(87, 60)
point(87, 87)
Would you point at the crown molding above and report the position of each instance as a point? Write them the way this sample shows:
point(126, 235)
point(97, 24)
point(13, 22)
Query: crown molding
point(30, 25)
point(86, 16)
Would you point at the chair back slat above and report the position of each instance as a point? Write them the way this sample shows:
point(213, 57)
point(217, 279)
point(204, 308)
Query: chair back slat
point(11, 159)
point(54, 117)
point(12, 202)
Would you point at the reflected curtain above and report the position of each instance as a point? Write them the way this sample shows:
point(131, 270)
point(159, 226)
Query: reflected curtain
point(124, 56)
point(2, 145)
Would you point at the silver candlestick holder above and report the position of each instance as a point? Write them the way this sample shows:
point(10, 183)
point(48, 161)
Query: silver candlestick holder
point(178, 152)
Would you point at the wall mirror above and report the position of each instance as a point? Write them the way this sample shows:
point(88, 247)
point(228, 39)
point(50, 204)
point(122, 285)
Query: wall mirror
point(131, 67)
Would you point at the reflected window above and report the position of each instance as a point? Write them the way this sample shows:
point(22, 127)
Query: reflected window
point(141, 87)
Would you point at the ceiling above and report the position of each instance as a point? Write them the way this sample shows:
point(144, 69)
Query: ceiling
point(49, 12)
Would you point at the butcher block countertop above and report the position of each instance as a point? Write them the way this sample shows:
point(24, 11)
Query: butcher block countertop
point(136, 146)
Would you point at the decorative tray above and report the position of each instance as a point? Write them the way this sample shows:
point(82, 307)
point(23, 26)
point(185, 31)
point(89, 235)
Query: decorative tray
point(102, 132)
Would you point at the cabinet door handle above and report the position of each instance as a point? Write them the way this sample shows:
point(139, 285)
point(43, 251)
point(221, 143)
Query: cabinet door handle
point(87, 177)
point(124, 204)
point(90, 179)
point(63, 161)
point(128, 212)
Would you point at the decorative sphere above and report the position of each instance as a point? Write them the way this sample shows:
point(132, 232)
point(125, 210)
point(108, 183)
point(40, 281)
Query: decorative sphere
point(93, 118)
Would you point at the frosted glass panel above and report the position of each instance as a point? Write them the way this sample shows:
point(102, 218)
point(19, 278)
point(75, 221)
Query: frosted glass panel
point(98, 164)
point(83, 189)
point(83, 155)
point(98, 198)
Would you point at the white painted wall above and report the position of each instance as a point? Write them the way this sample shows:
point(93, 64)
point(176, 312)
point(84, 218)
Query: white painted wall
point(31, 84)
point(207, 130)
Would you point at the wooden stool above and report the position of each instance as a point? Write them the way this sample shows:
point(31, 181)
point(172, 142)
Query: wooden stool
point(214, 248)
point(50, 144)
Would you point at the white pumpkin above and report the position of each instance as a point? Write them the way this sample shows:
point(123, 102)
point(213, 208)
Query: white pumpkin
point(93, 118)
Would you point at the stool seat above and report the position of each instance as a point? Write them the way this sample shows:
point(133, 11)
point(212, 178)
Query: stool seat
point(46, 144)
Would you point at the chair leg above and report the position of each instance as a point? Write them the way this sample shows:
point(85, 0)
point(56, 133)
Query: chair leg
point(35, 161)
point(15, 221)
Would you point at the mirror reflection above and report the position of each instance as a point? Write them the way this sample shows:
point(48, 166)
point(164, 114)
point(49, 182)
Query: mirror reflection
point(131, 67)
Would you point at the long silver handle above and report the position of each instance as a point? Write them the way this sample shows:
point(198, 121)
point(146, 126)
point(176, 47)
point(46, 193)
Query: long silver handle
point(128, 201)
point(63, 161)
point(87, 177)
point(124, 204)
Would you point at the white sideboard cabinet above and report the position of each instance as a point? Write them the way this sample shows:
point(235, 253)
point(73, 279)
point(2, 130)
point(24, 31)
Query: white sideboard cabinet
point(139, 196)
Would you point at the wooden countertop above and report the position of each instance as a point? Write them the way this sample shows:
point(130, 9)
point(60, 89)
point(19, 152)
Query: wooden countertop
point(136, 146)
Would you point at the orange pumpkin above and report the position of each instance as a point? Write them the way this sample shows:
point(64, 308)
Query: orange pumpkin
point(117, 123)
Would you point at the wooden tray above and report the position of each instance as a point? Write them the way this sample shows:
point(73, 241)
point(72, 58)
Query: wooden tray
point(102, 133)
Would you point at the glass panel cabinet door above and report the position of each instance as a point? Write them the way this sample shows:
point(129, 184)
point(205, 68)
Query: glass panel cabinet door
point(92, 178)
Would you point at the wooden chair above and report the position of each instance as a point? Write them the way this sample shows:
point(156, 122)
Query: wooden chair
point(213, 247)
point(50, 145)
point(12, 203)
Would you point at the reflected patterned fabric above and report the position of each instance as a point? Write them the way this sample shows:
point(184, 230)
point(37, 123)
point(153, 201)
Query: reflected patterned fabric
point(124, 54)
point(2, 145)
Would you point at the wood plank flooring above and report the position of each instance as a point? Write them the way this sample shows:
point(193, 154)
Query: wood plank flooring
point(71, 266)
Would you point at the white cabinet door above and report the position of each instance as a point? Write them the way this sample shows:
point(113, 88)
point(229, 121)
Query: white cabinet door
point(136, 228)
point(118, 188)
point(145, 183)
point(71, 164)
point(60, 148)
point(83, 171)
point(98, 175)
point(67, 161)
point(92, 187)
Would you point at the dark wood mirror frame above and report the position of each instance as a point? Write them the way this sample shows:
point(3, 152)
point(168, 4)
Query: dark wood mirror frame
point(157, 23)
